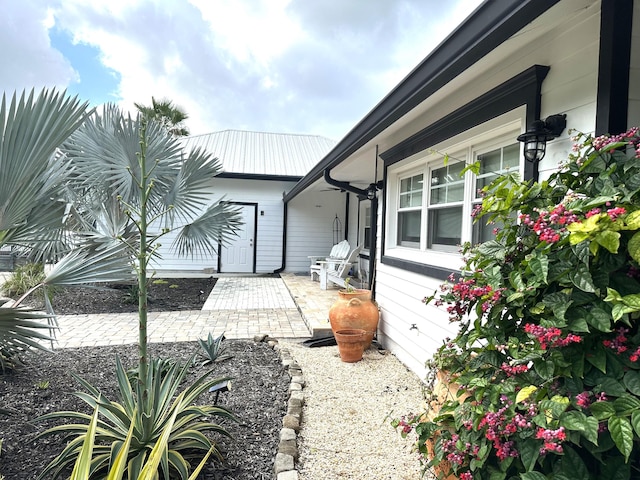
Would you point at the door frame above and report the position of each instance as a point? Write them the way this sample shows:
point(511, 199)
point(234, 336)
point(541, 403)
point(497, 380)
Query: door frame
point(255, 235)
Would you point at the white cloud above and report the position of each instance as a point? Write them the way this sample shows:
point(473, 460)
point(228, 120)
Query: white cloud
point(270, 65)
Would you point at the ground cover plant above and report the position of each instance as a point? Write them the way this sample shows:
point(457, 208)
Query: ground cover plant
point(257, 397)
point(546, 364)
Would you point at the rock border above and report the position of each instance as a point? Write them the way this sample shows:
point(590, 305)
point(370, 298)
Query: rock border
point(284, 465)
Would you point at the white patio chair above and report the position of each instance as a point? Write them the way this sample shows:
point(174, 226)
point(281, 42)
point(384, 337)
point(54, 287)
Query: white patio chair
point(336, 271)
point(338, 252)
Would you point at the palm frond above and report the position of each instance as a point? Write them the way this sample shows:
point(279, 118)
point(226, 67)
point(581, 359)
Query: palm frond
point(107, 263)
point(190, 190)
point(31, 128)
point(216, 226)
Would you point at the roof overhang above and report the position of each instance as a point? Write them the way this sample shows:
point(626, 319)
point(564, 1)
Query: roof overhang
point(491, 24)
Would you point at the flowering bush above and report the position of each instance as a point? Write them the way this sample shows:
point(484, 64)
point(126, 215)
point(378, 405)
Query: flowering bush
point(547, 358)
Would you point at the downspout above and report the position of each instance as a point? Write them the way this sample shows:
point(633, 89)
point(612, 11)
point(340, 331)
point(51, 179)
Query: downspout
point(346, 217)
point(372, 250)
point(284, 237)
point(343, 185)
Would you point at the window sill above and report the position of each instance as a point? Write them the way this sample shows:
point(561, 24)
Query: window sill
point(440, 273)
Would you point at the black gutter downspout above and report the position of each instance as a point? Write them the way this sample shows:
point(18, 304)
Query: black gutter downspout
point(372, 248)
point(343, 185)
point(346, 217)
point(284, 237)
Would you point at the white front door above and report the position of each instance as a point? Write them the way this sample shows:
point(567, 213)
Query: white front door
point(238, 256)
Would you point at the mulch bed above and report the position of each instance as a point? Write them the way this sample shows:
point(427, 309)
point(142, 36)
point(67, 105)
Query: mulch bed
point(258, 395)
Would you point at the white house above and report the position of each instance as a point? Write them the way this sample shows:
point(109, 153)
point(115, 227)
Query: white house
point(511, 62)
point(258, 168)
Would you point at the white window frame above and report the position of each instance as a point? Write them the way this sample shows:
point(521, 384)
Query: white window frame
point(365, 220)
point(457, 149)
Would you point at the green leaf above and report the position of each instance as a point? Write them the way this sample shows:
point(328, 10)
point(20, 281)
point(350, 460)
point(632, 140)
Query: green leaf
point(635, 422)
point(612, 387)
point(633, 220)
point(573, 420)
point(631, 380)
point(540, 267)
point(609, 240)
point(598, 359)
point(533, 476)
point(632, 301)
point(545, 368)
point(572, 465)
point(529, 453)
point(602, 410)
point(622, 435)
point(626, 404)
point(581, 278)
point(525, 393)
point(599, 319)
point(591, 430)
point(634, 246)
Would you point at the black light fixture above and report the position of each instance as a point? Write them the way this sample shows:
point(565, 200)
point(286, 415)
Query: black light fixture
point(539, 133)
point(372, 189)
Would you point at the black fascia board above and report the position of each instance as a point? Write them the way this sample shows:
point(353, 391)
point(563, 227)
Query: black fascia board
point(492, 23)
point(258, 176)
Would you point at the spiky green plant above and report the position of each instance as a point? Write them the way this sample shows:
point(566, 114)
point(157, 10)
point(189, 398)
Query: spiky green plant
point(212, 349)
point(142, 419)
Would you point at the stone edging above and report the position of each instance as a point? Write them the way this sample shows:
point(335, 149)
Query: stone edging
point(287, 456)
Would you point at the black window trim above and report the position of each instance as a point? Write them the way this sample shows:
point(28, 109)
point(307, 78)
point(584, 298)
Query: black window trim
point(522, 89)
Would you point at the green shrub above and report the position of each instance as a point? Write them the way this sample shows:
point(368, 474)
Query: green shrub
point(547, 358)
point(24, 278)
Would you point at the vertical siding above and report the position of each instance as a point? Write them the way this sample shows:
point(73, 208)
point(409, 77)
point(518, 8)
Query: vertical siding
point(268, 196)
point(310, 226)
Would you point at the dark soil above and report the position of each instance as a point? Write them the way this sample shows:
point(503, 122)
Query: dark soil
point(164, 295)
point(258, 395)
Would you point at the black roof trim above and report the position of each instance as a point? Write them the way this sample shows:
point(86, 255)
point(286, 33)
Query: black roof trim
point(488, 26)
point(257, 176)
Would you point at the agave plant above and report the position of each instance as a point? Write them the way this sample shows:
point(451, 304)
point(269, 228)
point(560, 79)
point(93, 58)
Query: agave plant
point(131, 430)
point(82, 467)
point(212, 349)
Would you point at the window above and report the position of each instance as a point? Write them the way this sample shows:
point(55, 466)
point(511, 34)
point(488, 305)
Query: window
point(433, 198)
point(410, 210)
point(492, 164)
point(365, 225)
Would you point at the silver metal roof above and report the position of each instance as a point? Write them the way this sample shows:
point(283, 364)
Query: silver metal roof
point(259, 153)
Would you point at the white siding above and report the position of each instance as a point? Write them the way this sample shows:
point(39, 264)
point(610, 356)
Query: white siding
point(571, 50)
point(268, 196)
point(311, 217)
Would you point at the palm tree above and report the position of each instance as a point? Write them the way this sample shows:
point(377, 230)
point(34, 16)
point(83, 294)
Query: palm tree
point(130, 184)
point(169, 115)
point(32, 209)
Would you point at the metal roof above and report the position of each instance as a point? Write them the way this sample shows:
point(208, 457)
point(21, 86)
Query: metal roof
point(259, 153)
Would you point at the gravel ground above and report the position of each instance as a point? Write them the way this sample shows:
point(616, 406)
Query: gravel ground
point(346, 431)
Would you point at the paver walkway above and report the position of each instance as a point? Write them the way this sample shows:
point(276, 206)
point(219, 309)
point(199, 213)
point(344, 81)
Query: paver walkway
point(241, 307)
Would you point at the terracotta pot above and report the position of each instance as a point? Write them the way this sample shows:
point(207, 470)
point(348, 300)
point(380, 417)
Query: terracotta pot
point(443, 470)
point(350, 344)
point(355, 309)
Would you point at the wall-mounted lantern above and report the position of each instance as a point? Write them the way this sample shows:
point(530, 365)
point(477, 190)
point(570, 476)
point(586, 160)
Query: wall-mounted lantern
point(539, 133)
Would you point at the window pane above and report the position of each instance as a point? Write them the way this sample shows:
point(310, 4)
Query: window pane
point(446, 184)
point(411, 192)
point(367, 238)
point(409, 228)
point(496, 162)
point(445, 226)
point(511, 156)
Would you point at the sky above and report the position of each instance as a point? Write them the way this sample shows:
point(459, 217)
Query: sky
point(312, 67)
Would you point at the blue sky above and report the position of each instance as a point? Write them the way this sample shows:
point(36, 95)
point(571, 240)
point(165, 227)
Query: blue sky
point(96, 83)
point(288, 66)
